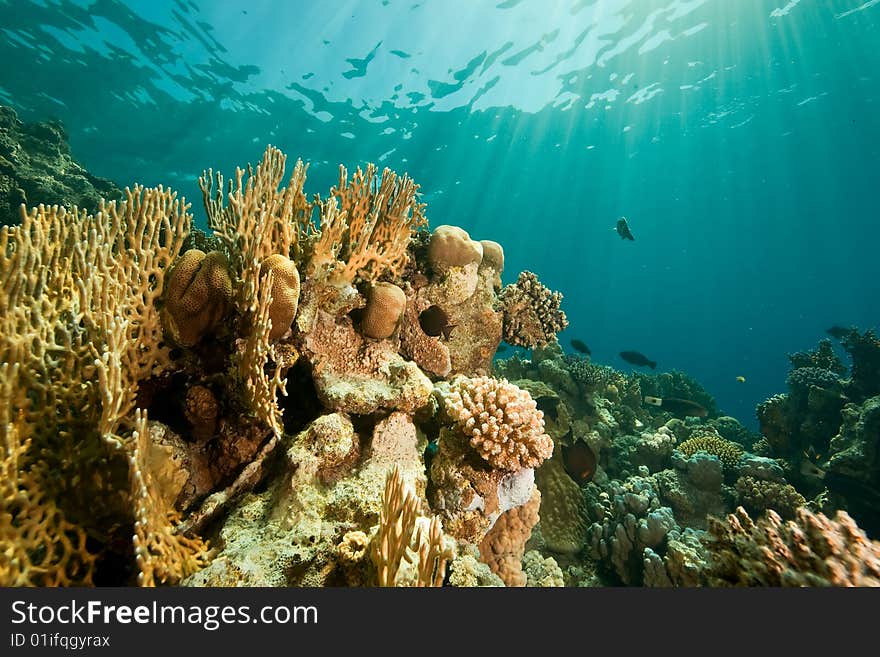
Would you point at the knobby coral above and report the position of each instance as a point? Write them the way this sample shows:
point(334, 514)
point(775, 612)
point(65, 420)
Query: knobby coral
point(727, 452)
point(532, 314)
point(811, 550)
point(501, 421)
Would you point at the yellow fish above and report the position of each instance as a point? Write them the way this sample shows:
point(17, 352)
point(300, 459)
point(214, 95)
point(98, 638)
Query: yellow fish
point(741, 379)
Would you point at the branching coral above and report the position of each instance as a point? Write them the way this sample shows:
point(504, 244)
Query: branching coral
point(758, 495)
point(501, 421)
point(822, 357)
point(393, 538)
point(864, 350)
point(260, 219)
point(80, 318)
point(532, 316)
point(728, 452)
point(366, 226)
point(38, 547)
point(163, 555)
point(812, 550)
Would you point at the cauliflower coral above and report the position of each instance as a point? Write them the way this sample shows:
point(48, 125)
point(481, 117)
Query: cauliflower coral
point(501, 421)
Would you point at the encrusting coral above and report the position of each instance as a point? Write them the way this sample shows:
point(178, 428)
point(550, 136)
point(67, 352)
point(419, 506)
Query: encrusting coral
point(504, 545)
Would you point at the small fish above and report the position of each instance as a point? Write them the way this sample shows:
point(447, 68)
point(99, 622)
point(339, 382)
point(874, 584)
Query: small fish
point(839, 332)
point(623, 230)
point(741, 379)
point(435, 322)
point(679, 407)
point(578, 345)
point(635, 358)
point(580, 462)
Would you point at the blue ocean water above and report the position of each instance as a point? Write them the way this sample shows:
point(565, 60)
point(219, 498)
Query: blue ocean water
point(739, 138)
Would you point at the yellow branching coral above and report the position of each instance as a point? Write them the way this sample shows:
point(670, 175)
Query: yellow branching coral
point(262, 388)
point(726, 451)
point(393, 540)
point(366, 225)
point(163, 555)
point(79, 318)
point(38, 546)
point(260, 219)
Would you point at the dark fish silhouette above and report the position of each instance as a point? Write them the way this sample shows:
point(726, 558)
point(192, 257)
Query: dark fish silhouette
point(623, 230)
point(635, 358)
point(581, 347)
point(839, 332)
point(435, 322)
point(678, 407)
point(579, 461)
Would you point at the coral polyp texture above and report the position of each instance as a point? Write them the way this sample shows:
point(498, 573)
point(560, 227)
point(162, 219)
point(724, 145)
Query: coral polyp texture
point(501, 420)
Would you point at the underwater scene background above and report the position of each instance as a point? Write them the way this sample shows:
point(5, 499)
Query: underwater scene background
point(739, 140)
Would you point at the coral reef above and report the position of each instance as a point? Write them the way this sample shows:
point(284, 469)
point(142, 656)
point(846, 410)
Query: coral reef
point(812, 550)
point(307, 396)
point(36, 166)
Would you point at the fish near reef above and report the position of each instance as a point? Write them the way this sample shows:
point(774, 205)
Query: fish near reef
point(678, 407)
point(636, 358)
point(435, 322)
point(623, 230)
point(579, 345)
point(579, 462)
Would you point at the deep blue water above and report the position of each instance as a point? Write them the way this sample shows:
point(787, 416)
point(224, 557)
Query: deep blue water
point(741, 138)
